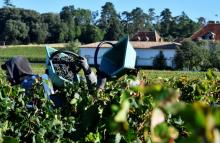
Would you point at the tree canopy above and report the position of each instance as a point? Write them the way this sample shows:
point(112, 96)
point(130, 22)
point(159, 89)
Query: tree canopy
point(28, 26)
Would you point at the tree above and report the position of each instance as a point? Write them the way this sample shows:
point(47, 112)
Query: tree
point(184, 27)
point(52, 20)
point(30, 16)
point(36, 28)
point(159, 61)
point(179, 59)
point(71, 24)
point(7, 14)
point(63, 35)
point(166, 23)
point(135, 21)
point(95, 14)
point(91, 33)
point(110, 22)
point(38, 33)
point(194, 56)
point(82, 17)
point(151, 16)
point(59, 33)
point(67, 26)
point(73, 46)
point(157, 25)
point(75, 20)
point(127, 22)
point(108, 14)
point(189, 56)
point(67, 14)
point(8, 3)
point(201, 21)
point(113, 32)
point(215, 54)
point(15, 31)
point(205, 59)
point(138, 19)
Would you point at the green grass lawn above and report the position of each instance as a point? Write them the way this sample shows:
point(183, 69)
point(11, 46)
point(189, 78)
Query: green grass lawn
point(33, 53)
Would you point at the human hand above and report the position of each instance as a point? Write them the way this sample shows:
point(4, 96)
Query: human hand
point(83, 63)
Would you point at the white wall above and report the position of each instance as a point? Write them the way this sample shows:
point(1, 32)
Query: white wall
point(144, 56)
point(89, 53)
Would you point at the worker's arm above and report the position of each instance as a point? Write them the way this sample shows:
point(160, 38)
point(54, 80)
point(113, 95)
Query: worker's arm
point(101, 80)
point(91, 78)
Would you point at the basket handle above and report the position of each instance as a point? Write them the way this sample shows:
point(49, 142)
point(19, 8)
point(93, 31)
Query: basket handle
point(65, 52)
point(96, 54)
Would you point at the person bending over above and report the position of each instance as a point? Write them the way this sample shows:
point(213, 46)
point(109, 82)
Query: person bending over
point(18, 71)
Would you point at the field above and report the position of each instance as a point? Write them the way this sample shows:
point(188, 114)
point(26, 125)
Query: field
point(34, 53)
point(154, 74)
point(38, 68)
point(155, 107)
point(37, 54)
point(168, 106)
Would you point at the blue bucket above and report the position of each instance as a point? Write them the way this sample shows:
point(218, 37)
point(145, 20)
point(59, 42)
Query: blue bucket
point(57, 80)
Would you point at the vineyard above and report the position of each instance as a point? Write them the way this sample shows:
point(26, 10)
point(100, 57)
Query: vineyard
point(159, 110)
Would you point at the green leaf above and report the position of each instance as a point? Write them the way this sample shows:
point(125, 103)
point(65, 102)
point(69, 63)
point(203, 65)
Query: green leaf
point(210, 74)
point(8, 139)
point(122, 114)
point(117, 138)
point(157, 118)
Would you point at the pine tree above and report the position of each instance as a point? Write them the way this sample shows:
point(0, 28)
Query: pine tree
point(8, 3)
point(159, 61)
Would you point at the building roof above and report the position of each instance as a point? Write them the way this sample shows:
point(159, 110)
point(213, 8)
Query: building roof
point(146, 36)
point(138, 45)
point(209, 28)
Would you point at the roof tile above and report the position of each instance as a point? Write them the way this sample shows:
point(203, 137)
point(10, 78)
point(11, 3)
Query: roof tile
point(138, 44)
point(214, 28)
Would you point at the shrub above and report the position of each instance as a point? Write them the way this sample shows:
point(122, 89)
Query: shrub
point(215, 55)
point(73, 46)
point(192, 56)
point(159, 61)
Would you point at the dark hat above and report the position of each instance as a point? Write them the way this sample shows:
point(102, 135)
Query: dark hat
point(17, 68)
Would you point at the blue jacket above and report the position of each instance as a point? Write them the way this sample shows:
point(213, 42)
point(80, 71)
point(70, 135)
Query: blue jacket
point(45, 82)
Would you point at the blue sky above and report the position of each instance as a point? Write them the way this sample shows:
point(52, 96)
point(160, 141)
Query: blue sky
point(209, 9)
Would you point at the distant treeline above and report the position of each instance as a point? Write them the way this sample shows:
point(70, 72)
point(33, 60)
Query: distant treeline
point(22, 26)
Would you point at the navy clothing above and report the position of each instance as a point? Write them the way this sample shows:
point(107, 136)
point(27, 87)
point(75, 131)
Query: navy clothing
point(45, 83)
point(29, 82)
